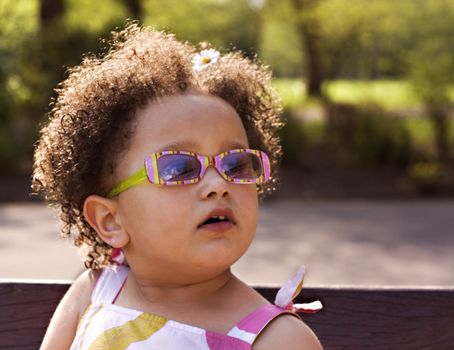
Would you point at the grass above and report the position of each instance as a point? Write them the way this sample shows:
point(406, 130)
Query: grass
point(422, 133)
point(389, 94)
point(314, 130)
point(292, 91)
point(385, 93)
point(420, 129)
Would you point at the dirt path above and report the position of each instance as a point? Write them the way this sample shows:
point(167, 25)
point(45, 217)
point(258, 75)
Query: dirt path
point(341, 242)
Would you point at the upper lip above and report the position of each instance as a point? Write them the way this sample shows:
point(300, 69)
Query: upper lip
point(227, 212)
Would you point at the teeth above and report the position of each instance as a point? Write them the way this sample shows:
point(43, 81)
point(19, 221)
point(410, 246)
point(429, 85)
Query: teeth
point(216, 218)
point(219, 217)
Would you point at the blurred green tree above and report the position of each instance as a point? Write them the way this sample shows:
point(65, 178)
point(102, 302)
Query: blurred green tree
point(38, 40)
point(318, 39)
point(50, 11)
point(309, 30)
point(431, 67)
point(279, 45)
point(135, 9)
point(224, 23)
point(385, 38)
point(19, 20)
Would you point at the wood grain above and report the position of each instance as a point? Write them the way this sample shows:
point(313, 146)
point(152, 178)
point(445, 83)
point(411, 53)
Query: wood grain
point(352, 318)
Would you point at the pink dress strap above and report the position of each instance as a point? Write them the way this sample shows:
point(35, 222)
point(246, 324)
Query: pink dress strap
point(253, 324)
point(109, 284)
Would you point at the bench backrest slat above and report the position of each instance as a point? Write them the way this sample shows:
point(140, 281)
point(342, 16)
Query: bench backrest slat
point(352, 318)
point(382, 318)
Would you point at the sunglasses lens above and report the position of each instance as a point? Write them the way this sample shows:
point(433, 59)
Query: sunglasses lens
point(242, 166)
point(178, 167)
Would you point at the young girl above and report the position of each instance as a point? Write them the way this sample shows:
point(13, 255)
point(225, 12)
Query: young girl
point(155, 155)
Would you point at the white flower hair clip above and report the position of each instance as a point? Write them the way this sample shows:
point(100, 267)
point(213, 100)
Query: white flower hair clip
point(204, 59)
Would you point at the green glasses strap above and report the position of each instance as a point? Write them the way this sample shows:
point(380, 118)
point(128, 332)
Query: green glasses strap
point(131, 181)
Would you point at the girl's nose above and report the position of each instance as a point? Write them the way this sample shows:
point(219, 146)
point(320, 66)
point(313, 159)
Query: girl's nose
point(213, 185)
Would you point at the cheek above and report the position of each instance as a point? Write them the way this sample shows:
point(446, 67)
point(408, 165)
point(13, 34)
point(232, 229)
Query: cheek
point(154, 211)
point(248, 202)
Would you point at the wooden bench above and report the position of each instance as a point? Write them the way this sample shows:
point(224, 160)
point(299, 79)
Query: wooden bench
point(352, 317)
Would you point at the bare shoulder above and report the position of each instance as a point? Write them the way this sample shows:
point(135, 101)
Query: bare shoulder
point(82, 288)
point(78, 296)
point(63, 325)
point(287, 332)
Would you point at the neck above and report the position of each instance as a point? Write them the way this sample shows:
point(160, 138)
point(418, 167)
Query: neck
point(174, 292)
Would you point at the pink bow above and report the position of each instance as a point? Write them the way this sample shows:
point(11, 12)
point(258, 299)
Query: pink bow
point(290, 290)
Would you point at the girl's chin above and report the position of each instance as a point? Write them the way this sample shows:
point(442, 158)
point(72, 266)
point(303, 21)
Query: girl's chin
point(218, 264)
point(220, 255)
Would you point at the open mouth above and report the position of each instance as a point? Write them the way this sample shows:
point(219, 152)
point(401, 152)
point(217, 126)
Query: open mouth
point(216, 219)
point(217, 223)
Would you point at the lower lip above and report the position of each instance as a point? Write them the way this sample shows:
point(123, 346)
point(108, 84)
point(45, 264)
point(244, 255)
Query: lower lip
point(217, 226)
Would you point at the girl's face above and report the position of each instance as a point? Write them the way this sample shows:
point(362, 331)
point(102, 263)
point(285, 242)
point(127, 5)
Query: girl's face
point(163, 222)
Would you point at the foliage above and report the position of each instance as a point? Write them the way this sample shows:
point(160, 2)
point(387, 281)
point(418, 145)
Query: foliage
point(393, 95)
point(292, 91)
point(94, 17)
point(363, 42)
point(368, 136)
point(34, 60)
point(426, 176)
point(389, 94)
point(293, 137)
point(426, 172)
point(220, 22)
point(13, 94)
point(394, 54)
point(431, 65)
point(280, 46)
point(423, 134)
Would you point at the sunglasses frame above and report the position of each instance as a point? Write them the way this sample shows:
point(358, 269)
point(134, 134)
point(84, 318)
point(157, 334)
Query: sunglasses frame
point(150, 170)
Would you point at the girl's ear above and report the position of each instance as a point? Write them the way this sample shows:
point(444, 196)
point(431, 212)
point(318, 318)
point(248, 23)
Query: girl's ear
point(101, 214)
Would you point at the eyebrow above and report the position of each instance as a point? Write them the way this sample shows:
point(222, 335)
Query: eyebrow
point(182, 145)
point(190, 145)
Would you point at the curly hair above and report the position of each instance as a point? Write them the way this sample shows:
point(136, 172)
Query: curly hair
point(90, 121)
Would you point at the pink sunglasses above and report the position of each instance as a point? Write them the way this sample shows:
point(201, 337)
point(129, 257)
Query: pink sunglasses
point(171, 168)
